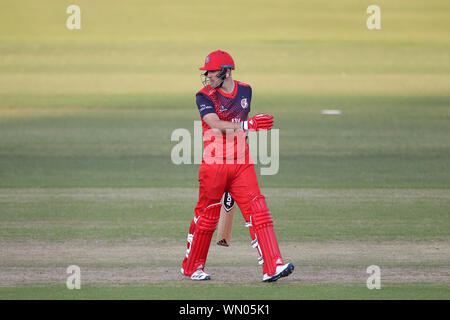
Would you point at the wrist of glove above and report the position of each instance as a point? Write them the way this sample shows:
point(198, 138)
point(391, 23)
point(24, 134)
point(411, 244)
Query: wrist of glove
point(258, 122)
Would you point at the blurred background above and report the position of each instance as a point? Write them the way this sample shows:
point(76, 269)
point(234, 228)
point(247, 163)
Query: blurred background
point(96, 106)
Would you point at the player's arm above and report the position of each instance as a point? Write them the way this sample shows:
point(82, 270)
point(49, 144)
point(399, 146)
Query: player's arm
point(208, 114)
point(258, 122)
point(213, 121)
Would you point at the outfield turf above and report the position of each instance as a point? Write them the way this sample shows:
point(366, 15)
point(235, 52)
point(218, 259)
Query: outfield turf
point(86, 118)
point(173, 291)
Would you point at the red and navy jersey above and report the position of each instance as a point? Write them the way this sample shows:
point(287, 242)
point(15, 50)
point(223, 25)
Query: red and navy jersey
point(232, 107)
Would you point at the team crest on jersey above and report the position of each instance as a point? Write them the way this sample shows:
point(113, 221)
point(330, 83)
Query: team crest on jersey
point(222, 109)
point(244, 103)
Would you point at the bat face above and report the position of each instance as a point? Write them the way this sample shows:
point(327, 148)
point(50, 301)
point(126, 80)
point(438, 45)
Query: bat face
point(226, 221)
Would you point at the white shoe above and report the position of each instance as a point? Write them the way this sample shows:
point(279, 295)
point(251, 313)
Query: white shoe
point(280, 272)
point(198, 275)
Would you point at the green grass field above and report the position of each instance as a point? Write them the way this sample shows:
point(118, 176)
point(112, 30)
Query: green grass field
point(86, 118)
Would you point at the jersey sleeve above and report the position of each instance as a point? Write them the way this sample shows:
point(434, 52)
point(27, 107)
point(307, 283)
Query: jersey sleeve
point(204, 105)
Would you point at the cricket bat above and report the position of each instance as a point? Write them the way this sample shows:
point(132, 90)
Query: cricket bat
point(225, 220)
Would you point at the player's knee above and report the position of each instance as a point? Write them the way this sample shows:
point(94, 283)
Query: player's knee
point(209, 218)
point(260, 212)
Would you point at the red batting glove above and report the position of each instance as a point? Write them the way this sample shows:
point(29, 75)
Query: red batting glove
point(258, 122)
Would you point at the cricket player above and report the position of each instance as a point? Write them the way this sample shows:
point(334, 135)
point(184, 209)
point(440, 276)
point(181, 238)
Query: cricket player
point(224, 105)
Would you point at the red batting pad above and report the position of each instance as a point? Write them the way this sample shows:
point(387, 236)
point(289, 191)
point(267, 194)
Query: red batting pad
point(267, 240)
point(201, 240)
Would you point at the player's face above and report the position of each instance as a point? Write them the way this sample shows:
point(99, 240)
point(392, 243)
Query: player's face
point(213, 80)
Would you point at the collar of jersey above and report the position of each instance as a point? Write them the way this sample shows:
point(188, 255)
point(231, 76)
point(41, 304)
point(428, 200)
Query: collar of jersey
point(230, 95)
